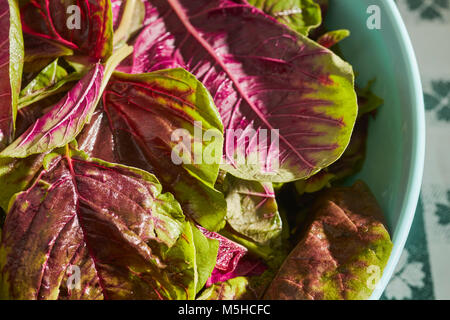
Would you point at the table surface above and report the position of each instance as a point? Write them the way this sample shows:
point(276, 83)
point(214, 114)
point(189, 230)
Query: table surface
point(424, 268)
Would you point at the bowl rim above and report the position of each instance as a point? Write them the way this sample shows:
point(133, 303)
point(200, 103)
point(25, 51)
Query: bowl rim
point(417, 159)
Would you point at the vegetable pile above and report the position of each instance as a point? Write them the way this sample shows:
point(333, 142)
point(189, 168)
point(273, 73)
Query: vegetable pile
point(110, 114)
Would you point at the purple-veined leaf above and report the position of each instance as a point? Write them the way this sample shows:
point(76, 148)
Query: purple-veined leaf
point(344, 243)
point(110, 222)
point(138, 124)
point(84, 26)
point(128, 18)
point(11, 64)
point(252, 210)
point(63, 122)
point(264, 77)
point(332, 38)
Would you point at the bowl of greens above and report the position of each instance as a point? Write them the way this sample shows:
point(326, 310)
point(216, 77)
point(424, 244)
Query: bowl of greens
point(205, 150)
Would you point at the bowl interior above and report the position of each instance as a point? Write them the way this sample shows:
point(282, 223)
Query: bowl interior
point(394, 163)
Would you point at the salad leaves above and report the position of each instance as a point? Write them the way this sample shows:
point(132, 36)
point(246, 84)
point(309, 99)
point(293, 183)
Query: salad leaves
point(179, 149)
point(299, 15)
point(88, 30)
point(310, 110)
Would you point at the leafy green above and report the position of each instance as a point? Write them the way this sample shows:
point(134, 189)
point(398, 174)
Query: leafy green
point(252, 210)
point(11, 64)
point(343, 247)
point(114, 222)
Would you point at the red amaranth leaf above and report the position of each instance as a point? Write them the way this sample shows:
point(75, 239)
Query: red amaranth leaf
point(50, 19)
point(232, 260)
point(261, 75)
point(128, 240)
point(11, 64)
point(64, 120)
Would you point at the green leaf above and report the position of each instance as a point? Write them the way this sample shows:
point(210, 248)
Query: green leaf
point(16, 175)
point(112, 222)
point(11, 65)
point(166, 123)
point(52, 79)
point(299, 15)
point(233, 289)
point(131, 20)
point(206, 255)
point(64, 120)
point(316, 183)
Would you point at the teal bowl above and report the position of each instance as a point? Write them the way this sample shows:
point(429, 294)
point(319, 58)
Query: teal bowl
point(396, 146)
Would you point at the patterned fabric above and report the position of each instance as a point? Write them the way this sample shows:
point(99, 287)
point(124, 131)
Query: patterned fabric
point(423, 271)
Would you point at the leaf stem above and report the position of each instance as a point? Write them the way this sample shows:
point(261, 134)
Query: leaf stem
point(125, 22)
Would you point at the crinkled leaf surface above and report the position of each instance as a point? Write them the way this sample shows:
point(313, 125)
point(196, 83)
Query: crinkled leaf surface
point(11, 64)
point(52, 79)
point(345, 238)
point(137, 125)
point(262, 75)
point(111, 221)
point(63, 122)
point(252, 210)
point(56, 20)
point(299, 15)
